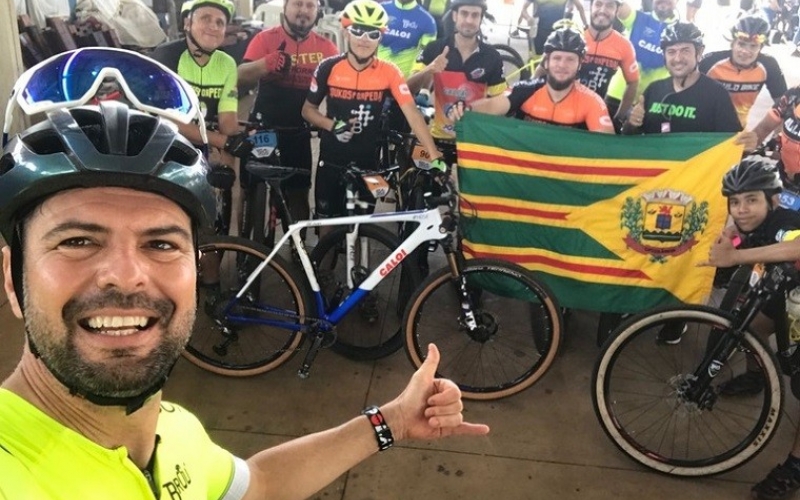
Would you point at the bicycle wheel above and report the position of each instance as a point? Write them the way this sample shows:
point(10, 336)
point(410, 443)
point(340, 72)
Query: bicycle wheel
point(244, 347)
point(519, 332)
point(508, 50)
point(514, 71)
point(638, 393)
point(372, 330)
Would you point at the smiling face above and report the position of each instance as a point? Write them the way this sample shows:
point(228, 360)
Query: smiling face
point(603, 13)
point(562, 69)
point(749, 209)
point(207, 27)
point(681, 59)
point(109, 287)
point(467, 20)
point(745, 52)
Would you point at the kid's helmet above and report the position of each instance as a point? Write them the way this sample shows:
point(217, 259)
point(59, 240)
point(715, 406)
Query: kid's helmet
point(681, 33)
point(753, 173)
point(565, 40)
point(366, 13)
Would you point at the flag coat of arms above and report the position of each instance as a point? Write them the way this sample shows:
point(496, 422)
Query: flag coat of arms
point(610, 223)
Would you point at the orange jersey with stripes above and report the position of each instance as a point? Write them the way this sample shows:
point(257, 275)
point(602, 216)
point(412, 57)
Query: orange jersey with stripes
point(787, 110)
point(603, 58)
point(744, 84)
point(581, 108)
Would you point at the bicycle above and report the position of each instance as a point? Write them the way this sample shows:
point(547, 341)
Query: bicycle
point(244, 336)
point(344, 258)
point(660, 404)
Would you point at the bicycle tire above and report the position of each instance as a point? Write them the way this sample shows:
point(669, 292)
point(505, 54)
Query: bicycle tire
point(247, 349)
point(493, 364)
point(514, 71)
point(359, 336)
point(508, 50)
point(636, 396)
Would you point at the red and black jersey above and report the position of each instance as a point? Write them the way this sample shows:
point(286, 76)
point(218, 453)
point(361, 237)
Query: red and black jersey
point(351, 93)
point(280, 97)
point(744, 84)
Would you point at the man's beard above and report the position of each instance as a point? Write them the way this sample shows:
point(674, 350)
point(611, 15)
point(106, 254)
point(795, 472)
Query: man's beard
point(299, 30)
point(599, 27)
point(560, 85)
point(123, 376)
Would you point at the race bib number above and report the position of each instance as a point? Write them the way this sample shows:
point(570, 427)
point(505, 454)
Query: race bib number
point(790, 200)
point(420, 157)
point(377, 185)
point(264, 143)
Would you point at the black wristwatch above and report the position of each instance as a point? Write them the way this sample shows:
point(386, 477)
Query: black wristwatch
point(382, 432)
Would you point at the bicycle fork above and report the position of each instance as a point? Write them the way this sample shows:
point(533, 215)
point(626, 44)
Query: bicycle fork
point(467, 313)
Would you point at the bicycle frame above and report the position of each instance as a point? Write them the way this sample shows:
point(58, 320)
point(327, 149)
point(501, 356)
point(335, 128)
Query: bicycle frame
point(429, 228)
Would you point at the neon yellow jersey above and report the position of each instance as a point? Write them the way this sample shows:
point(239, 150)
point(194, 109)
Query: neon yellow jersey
point(43, 460)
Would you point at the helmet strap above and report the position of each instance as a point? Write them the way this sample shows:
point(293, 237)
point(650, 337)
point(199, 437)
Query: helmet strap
point(361, 60)
point(197, 50)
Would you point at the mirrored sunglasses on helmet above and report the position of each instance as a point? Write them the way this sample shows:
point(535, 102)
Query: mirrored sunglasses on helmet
point(74, 78)
point(360, 32)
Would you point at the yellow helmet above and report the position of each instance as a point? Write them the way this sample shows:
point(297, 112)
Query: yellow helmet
point(226, 6)
point(366, 13)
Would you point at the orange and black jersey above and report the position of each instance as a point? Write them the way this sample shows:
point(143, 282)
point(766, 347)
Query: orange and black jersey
point(350, 93)
point(744, 84)
point(581, 108)
point(787, 109)
point(603, 58)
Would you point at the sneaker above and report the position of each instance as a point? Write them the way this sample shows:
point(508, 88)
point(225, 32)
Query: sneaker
point(671, 333)
point(781, 482)
point(747, 384)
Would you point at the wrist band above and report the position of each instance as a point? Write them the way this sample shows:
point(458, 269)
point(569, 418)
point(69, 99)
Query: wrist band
point(382, 432)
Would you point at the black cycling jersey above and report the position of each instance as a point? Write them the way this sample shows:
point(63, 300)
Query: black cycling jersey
point(482, 66)
point(704, 107)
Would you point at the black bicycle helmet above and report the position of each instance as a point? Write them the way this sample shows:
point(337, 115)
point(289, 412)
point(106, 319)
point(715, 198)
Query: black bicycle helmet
point(681, 33)
point(566, 40)
point(106, 145)
point(753, 27)
point(753, 173)
point(455, 4)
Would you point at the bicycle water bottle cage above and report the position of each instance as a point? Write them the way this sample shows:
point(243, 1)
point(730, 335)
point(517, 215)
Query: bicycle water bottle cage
point(265, 144)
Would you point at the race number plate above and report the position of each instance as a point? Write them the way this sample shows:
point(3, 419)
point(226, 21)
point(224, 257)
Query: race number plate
point(264, 143)
point(421, 158)
point(790, 200)
point(377, 185)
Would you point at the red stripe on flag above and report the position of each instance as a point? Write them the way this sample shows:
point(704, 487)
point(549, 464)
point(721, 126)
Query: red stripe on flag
point(549, 167)
point(506, 209)
point(567, 266)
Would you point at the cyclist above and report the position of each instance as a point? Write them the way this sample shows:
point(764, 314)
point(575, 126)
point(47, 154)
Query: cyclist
point(785, 115)
point(745, 69)
point(644, 30)
point(752, 189)
point(437, 9)
point(212, 74)
point(606, 52)
point(354, 86)
point(687, 101)
point(281, 60)
point(559, 98)
point(101, 207)
point(465, 66)
point(410, 29)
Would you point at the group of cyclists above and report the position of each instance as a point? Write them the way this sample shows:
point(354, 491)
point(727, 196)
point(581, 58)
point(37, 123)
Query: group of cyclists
point(653, 77)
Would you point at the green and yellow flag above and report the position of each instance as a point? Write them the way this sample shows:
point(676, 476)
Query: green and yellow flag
point(611, 223)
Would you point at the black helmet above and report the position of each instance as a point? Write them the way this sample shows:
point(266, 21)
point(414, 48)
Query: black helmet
point(681, 33)
point(751, 27)
point(753, 173)
point(455, 4)
point(106, 145)
point(566, 40)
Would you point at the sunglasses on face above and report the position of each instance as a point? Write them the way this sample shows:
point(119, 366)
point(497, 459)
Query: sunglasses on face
point(358, 32)
point(74, 78)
